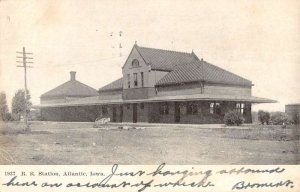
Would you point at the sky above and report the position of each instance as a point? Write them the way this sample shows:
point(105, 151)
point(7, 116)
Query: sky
point(258, 40)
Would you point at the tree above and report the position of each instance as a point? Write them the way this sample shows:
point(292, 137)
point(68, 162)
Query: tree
point(264, 117)
point(4, 114)
point(18, 104)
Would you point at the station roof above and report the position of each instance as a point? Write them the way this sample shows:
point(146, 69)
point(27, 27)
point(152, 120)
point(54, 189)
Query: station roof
point(195, 97)
point(71, 88)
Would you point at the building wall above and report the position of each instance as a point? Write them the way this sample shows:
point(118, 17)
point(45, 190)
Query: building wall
point(184, 89)
point(293, 111)
point(53, 100)
point(150, 113)
point(196, 88)
point(62, 99)
point(156, 117)
point(113, 93)
point(138, 93)
point(72, 113)
point(127, 115)
point(226, 90)
point(143, 114)
point(203, 115)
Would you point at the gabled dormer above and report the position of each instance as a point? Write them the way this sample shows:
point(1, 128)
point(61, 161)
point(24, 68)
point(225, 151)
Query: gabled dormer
point(144, 67)
point(136, 71)
point(136, 74)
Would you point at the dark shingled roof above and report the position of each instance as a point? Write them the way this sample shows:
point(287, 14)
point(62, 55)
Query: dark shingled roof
point(202, 71)
point(115, 85)
point(182, 67)
point(71, 88)
point(164, 59)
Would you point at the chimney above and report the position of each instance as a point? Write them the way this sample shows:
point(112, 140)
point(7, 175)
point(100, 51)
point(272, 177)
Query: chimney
point(73, 75)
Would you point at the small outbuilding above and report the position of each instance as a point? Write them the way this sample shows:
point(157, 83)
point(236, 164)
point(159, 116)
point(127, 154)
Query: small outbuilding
point(293, 111)
point(69, 91)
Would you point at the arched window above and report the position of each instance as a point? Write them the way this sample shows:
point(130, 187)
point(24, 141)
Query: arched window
point(135, 63)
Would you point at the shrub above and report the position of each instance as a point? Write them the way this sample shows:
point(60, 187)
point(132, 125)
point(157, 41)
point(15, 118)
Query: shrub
point(280, 118)
point(264, 117)
point(233, 118)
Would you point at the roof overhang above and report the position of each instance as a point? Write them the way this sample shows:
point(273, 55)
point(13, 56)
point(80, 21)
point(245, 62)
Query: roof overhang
point(195, 97)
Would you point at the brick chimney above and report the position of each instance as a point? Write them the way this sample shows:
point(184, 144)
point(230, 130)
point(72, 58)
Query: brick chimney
point(73, 75)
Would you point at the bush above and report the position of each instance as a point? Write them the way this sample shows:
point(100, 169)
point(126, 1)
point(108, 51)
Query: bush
point(264, 117)
point(280, 118)
point(8, 117)
point(233, 118)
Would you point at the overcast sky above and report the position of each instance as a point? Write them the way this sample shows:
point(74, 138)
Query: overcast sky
point(256, 39)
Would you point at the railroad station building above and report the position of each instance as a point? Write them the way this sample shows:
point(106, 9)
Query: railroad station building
point(157, 86)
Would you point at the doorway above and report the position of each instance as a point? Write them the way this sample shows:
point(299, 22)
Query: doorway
point(134, 112)
point(114, 119)
point(121, 113)
point(177, 112)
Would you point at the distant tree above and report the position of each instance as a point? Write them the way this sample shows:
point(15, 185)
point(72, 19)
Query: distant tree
point(18, 104)
point(280, 118)
point(233, 118)
point(264, 117)
point(4, 113)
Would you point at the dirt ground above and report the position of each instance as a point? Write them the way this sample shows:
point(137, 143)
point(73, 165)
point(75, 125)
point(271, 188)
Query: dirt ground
point(55, 143)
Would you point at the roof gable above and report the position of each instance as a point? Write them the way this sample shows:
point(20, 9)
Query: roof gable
point(71, 88)
point(166, 60)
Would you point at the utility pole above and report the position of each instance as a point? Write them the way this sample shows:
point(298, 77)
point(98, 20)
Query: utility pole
point(120, 42)
point(25, 66)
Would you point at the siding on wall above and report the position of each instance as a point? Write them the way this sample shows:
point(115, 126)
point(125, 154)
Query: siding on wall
point(226, 90)
point(185, 89)
point(110, 93)
point(56, 100)
point(138, 93)
point(196, 88)
point(127, 113)
point(113, 96)
point(142, 113)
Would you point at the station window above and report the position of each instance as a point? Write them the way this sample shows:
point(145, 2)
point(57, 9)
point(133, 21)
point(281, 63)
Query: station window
point(164, 108)
point(215, 108)
point(135, 80)
point(240, 107)
point(128, 106)
point(142, 79)
point(211, 108)
point(135, 63)
point(128, 80)
point(142, 105)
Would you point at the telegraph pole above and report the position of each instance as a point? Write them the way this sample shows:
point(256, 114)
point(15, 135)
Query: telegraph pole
point(25, 66)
